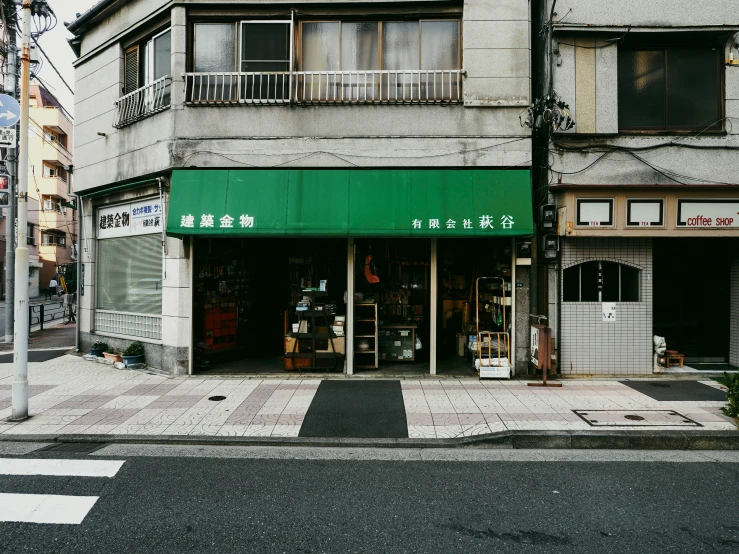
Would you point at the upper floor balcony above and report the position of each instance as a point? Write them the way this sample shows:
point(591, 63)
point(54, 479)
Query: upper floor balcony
point(325, 87)
point(143, 102)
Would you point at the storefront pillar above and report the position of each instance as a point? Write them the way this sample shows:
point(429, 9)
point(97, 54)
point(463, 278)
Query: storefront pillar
point(434, 305)
point(349, 325)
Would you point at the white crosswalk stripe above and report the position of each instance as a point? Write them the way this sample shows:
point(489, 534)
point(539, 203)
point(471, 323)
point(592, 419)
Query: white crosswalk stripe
point(51, 508)
point(67, 468)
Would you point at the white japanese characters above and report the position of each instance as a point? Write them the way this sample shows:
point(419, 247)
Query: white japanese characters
point(485, 222)
point(208, 221)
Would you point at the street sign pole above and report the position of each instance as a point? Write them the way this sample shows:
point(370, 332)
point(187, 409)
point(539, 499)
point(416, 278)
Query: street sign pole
point(20, 348)
point(10, 162)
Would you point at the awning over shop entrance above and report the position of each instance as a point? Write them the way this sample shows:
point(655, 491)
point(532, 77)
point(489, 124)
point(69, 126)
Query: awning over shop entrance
point(359, 203)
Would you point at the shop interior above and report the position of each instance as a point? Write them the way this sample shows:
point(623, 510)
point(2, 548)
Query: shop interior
point(690, 304)
point(279, 305)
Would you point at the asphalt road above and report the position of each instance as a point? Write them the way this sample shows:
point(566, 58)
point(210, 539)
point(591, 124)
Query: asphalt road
point(193, 499)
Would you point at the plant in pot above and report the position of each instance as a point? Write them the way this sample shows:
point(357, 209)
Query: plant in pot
point(98, 348)
point(134, 354)
point(114, 354)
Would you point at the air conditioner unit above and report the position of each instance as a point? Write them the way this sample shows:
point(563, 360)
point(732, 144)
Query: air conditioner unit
point(63, 209)
point(49, 206)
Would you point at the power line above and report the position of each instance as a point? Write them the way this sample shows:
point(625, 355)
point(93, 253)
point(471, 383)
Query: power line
point(52, 65)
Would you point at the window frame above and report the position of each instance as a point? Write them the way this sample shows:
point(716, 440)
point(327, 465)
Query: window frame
point(192, 43)
point(721, 78)
point(240, 37)
point(144, 67)
point(620, 265)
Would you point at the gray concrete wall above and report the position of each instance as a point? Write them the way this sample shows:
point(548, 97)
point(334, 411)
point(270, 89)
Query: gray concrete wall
point(523, 303)
point(649, 14)
point(590, 346)
point(485, 132)
point(734, 313)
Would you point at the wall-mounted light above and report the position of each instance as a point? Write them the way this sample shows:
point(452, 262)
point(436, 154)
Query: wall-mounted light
point(101, 134)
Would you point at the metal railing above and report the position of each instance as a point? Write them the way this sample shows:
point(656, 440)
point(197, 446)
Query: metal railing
point(238, 88)
point(143, 102)
point(326, 87)
point(381, 87)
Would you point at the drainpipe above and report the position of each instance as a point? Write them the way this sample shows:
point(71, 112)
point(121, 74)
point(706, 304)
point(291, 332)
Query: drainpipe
point(80, 285)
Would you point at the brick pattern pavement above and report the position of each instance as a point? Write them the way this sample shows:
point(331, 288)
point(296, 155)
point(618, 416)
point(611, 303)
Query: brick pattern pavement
point(74, 396)
point(59, 336)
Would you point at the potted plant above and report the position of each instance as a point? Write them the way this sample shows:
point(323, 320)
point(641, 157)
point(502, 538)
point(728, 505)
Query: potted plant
point(114, 355)
point(134, 354)
point(98, 348)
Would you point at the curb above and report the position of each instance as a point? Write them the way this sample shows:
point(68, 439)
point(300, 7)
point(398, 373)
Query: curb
point(565, 440)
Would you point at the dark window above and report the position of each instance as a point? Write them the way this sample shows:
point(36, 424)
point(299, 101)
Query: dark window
point(669, 89)
point(600, 282)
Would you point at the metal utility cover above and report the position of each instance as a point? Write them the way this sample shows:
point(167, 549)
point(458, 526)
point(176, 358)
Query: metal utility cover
point(635, 418)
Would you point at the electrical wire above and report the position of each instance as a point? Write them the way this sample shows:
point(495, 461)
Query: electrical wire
point(52, 65)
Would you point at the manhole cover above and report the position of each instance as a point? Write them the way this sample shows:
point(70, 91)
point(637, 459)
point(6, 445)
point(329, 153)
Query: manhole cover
point(217, 398)
point(635, 418)
point(660, 385)
point(74, 447)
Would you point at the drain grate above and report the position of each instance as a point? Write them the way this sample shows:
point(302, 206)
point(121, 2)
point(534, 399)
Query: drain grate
point(635, 418)
point(74, 447)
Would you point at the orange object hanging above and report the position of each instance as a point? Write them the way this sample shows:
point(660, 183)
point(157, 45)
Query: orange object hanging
point(371, 277)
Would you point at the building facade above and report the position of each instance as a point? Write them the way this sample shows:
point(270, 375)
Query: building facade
point(238, 161)
point(645, 183)
point(50, 184)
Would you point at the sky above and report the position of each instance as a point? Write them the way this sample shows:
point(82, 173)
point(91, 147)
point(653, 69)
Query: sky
point(55, 45)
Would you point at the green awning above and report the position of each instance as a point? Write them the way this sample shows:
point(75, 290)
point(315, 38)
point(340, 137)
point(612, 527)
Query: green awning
point(359, 203)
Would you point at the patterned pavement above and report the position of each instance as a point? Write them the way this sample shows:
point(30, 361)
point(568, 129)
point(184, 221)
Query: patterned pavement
point(72, 396)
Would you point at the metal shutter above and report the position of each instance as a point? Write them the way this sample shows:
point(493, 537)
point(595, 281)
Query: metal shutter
point(131, 70)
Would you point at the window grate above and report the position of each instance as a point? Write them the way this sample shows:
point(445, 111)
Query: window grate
point(132, 325)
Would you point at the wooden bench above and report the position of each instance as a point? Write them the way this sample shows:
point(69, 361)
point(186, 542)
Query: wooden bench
point(677, 358)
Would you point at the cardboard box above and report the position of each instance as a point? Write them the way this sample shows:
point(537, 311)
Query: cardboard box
point(290, 343)
point(339, 346)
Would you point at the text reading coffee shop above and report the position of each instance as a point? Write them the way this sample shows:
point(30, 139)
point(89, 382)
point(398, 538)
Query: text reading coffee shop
point(354, 271)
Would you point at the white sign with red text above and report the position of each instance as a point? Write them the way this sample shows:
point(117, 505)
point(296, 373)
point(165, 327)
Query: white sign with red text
point(713, 214)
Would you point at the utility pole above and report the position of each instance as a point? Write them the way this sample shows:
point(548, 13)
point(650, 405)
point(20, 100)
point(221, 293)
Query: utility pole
point(10, 163)
point(20, 348)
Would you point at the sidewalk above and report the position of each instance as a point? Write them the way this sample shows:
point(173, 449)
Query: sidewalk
point(72, 396)
point(59, 335)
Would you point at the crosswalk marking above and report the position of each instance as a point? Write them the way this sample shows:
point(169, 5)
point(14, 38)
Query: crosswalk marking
point(65, 468)
point(45, 508)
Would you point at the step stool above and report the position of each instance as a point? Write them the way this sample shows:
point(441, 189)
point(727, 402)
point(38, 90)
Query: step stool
point(676, 357)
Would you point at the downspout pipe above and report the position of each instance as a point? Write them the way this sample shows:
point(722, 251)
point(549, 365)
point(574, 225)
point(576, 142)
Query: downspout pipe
point(80, 228)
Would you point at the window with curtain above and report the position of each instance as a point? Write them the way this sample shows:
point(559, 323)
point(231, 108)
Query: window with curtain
point(353, 47)
point(129, 274)
point(600, 281)
point(664, 89)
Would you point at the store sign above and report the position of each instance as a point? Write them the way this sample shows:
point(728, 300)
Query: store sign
point(125, 220)
point(535, 345)
point(645, 213)
point(713, 214)
point(363, 203)
point(595, 212)
point(609, 312)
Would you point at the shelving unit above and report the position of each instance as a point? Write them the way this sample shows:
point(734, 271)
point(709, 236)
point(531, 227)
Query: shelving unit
point(292, 359)
point(365, 329)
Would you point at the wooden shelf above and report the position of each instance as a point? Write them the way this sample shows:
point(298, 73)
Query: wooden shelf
point(311, 335)
point(367, 324)
point(313, 354)
point(364, 336)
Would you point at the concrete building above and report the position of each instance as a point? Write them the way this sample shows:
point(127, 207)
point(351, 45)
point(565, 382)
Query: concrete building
point(645, 184)
point(221, 143)
point(50, 183)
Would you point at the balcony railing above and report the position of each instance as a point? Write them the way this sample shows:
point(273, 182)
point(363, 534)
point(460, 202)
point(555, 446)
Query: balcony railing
point(238, 88)
point(326, 87)
point(143, 102)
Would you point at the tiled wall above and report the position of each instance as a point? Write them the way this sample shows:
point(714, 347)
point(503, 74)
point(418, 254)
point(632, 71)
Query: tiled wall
point(588, 345)
point(734, 344)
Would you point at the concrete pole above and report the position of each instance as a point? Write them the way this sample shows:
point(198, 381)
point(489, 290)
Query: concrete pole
point(434, 268)
point(20, 349)
point(349, 323)
point(10, 162)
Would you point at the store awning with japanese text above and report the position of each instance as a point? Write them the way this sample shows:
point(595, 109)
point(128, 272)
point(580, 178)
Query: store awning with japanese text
point(360, 203)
